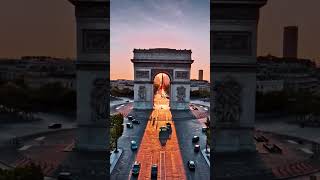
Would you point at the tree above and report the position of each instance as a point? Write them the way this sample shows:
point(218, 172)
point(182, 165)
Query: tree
point(125, 92)
point(50, 97)
point(30, 172)
point(116, 129)
point(271, 101)
point(13, 96)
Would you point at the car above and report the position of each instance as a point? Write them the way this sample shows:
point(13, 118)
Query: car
point(55, 126)
point(135, 121)
point(130, 118)
point(196, 148)
point(195, 139)
point(191, 165)
point(204, 129)
point(64, 176)
point(134, 145)
point(129, 125)
point(154, 171)
point(163, 129)
point(168, 126)
point(136, 168)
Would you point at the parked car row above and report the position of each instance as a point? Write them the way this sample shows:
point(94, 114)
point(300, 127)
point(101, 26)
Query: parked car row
point(133, 121)
point(137, 166)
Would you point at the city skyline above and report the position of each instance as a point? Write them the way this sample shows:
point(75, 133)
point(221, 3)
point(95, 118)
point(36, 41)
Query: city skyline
point(36, 22)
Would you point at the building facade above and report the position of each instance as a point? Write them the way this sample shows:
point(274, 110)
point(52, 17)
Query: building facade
point(37, 71)
point(296, 74)
point(290, 42)
point(200, 75)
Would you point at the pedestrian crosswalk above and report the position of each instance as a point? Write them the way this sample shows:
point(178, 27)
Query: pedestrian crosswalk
point(25, 147)
point(295, 169)
point(48, 166)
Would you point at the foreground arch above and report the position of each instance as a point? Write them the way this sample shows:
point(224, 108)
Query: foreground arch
point(92, 65)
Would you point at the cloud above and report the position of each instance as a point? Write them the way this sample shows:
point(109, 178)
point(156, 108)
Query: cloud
point(158, 23)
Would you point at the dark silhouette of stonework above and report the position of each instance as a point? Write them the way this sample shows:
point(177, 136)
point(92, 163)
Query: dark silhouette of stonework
point(227, 107)
point(233, 75)
point(90, 157)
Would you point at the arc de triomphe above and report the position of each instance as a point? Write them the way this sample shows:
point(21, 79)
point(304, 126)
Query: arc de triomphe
point(150, 62)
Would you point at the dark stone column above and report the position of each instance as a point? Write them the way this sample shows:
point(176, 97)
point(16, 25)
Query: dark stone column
point(90, 157)
point(233, 77)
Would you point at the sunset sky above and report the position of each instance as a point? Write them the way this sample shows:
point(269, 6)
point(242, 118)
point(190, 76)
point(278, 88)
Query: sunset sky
point(47, 27)
point(179, 24)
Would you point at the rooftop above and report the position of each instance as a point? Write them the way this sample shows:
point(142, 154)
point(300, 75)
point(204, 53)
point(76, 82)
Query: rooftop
point(162, 50)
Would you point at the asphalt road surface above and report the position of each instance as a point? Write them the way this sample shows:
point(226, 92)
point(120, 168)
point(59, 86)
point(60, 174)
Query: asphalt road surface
point(170, 151)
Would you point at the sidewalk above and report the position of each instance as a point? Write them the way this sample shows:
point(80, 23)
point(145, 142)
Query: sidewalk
point(114, 157)
point(206, 155)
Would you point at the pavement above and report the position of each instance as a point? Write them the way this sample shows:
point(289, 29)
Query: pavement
point(206, 155)
point(38, 142)
point(114, 157)
point(159, 148)
point(172, 157)
point(51, 147)
point(123, 167)
point(11, 130)
point(296, 162)
point(186, 129)
point(279, 126)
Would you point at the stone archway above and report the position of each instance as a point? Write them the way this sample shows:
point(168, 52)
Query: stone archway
point(164, 87)
point(150, 62)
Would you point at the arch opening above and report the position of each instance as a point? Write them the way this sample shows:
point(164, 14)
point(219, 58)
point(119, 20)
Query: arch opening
point(161, 91)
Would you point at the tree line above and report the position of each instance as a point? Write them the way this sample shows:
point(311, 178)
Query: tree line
point(51, 97)
point(30, 172)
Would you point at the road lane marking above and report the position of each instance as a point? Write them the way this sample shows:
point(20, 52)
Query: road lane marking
point(306, 150)
point(162, 165)
point(117, 108)
point(292, 142)
point(69, 147)
point(25, 147)
point(40, 138)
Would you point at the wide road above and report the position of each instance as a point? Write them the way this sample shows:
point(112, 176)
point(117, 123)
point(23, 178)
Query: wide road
point(160, 148)
point(11, 130)
point(172, 156)
point(122, 169)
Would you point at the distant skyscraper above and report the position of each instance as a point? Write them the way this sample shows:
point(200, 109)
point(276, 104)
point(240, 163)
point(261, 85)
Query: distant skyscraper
point(200, 74)
point(290, 42)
